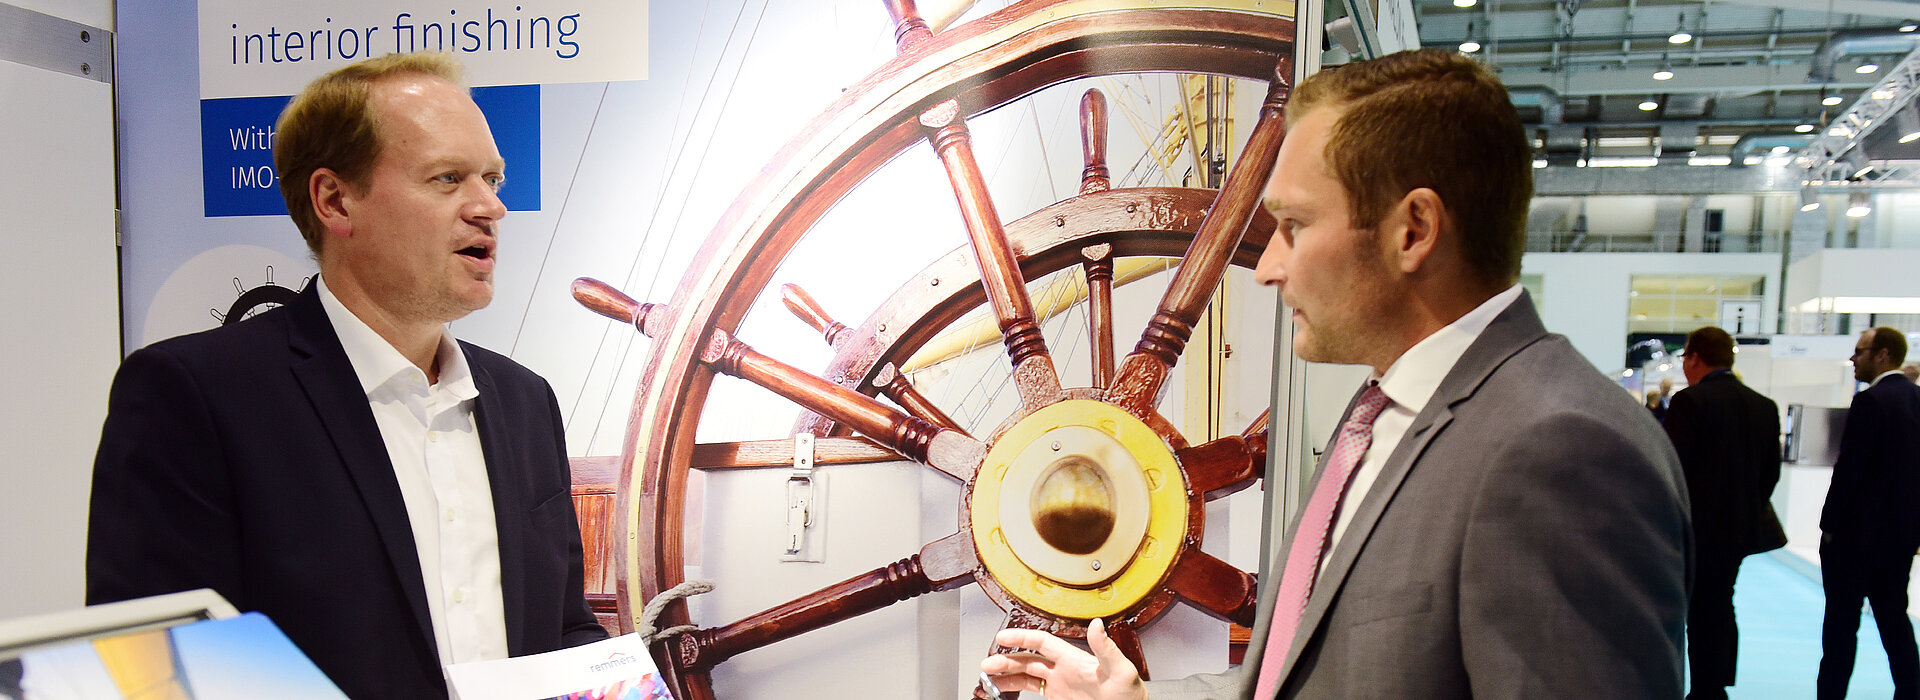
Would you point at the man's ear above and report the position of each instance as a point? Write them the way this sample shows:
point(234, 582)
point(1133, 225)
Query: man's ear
point(1415, 223)
point(332, 201)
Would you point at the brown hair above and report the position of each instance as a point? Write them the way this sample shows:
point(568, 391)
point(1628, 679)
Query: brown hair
point(1435, 119)
point(1890, 340)
point(331, 124)
point(1712, 345)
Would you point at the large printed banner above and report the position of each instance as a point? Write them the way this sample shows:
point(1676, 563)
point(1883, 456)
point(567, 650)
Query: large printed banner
point(252, 49)
point(255, 56)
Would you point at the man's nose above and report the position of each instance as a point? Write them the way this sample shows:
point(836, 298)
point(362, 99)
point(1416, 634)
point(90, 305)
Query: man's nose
point(1271, 271)
point(487, 204)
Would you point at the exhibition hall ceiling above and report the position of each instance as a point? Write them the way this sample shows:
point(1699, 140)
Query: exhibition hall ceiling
point(1635, 77)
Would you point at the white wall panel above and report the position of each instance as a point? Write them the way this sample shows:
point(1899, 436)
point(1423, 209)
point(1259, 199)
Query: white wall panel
point(59, 282)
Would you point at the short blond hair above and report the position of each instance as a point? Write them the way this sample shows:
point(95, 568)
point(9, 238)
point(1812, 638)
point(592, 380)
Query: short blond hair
point(331, 124)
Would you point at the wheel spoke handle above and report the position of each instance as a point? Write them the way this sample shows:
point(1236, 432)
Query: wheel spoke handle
point(1215, 586)
point(948, 451)
point(1034, 374)
point(892, 382)
point(1143, 374)
point(1097, 264)
point(1126, 637)
point(810, 312)
point(889, 381)
point(1222, 467)
point(907, 578)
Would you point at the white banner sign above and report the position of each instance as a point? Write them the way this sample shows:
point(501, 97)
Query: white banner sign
point(250, 48)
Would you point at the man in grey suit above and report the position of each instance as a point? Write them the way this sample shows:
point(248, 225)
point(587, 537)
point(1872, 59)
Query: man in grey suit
point(1494, 518)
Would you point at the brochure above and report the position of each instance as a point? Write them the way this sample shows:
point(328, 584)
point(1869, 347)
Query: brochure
point(614, 669)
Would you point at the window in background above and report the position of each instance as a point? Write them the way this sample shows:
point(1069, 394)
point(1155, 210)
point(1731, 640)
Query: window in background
point(1682, 303)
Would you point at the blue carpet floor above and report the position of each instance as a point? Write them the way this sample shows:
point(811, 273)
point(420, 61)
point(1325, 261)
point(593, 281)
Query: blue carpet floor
point(1779, 609)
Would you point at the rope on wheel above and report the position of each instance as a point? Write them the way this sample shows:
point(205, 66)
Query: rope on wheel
point(650, 615)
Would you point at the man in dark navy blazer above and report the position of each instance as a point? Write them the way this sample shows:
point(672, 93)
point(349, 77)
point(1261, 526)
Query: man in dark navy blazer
point(1868, 527)
point(394, 499)
point(1728, 438)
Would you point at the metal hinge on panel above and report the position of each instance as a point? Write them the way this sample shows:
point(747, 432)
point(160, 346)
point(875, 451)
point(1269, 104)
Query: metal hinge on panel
point(806, 508)
point(64, 46)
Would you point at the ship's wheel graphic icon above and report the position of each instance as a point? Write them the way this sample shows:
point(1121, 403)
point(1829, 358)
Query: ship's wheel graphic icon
point(253, 301)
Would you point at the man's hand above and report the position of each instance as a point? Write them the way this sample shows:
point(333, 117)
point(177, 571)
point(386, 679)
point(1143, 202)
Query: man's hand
point(1061, 671)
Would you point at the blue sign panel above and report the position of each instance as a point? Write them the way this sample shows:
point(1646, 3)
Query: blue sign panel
point(237, 137)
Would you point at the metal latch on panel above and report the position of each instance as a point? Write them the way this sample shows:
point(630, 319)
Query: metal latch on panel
point(806, 507)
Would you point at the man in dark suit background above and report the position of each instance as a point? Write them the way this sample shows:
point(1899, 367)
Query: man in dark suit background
point(394, 499)
point(1728, 437)
point(1506, 522)
point(1869, 527)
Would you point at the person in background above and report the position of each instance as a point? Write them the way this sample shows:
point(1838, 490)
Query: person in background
point(393, 498)
point(1493, 517)
point(1728, 438)
point(1870, 524)
point(1656, 406)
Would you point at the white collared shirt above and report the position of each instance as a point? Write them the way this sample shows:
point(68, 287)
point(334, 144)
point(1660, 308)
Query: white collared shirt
point(1883, 375)
point(434, 443)
point(1410, 382)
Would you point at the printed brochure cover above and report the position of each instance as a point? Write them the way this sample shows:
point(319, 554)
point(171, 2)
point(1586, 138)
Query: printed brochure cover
point(614, 669)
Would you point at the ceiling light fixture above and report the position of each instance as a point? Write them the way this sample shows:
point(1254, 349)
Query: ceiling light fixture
point(1882, 94)
point(1810, 206)
point(1803, 128)
point(1910, 137)
point(1663, 74)
point(1649, 106)
point(1469, 46)
point(1830, 100)
point(1780, 150)
point(1859, 210)
point(1680, 35)
point(1465, 3)
point(1866, 68)
point(1908, 27)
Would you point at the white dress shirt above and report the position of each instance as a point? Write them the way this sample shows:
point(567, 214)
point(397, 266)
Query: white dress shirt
point(1410, 382)
point(434, 443)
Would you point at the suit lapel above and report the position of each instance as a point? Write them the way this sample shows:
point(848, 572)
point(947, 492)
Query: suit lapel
point(326, 375)
point(509, 514)
point(1513, 329)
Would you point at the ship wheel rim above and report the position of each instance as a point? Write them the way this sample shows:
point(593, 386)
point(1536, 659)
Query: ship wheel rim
point(984, 65)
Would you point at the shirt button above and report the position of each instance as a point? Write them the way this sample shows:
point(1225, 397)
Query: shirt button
point(460, 594)
point(450, 515)
point(433, 436)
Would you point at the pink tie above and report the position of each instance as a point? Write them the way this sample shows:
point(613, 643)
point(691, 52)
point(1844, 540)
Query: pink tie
point(1310, 540)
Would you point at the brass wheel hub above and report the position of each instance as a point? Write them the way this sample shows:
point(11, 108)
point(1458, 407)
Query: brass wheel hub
point(1078, 509)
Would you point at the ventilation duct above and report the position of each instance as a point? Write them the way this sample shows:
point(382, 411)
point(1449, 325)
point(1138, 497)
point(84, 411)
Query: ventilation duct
point(1552, 107)
point(1858, 41)
point(1752, 142)
point(1678, 142)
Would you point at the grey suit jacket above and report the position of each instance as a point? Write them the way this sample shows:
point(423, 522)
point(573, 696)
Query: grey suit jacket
point(1529, 537)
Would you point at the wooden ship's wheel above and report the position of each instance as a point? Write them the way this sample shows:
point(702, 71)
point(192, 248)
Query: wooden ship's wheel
point(1086, 503)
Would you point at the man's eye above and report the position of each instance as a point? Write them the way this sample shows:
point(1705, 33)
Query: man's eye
point(448, 178)
point(496, 182)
